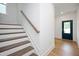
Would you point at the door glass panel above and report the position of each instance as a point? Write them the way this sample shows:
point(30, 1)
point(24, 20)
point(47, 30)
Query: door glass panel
point(2, 8)
point(67, 27)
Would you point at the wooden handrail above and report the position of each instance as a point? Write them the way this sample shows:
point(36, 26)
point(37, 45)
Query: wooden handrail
point(30, 22)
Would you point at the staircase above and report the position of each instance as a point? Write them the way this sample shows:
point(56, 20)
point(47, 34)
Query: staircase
point(14, 41)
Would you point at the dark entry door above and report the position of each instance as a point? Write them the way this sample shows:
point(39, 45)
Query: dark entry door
point(67, 30)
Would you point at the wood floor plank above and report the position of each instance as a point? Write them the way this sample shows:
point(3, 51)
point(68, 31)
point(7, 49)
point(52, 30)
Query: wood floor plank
point(65, 48)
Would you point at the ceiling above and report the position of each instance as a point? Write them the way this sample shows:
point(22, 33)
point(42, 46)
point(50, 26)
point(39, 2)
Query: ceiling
point(62, 8)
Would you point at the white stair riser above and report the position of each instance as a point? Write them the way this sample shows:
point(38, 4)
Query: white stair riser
point(10, 26)
point(14, 49)
point(12, 35)
point(12, 42)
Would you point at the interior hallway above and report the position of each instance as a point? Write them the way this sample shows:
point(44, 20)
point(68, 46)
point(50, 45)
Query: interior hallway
point(65, 48)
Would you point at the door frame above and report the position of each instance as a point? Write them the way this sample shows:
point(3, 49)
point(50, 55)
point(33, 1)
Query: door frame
point(70, 27)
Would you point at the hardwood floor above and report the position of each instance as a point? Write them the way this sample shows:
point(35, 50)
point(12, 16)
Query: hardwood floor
point(65, 48)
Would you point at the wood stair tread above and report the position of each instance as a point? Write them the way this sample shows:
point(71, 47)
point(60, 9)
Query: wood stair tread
point(33, 54)
point(10, 28)
point(21, 52)
point(9, 36)
point(11, 33)
point(2, 49)
point(8, 39)
point(10, 24)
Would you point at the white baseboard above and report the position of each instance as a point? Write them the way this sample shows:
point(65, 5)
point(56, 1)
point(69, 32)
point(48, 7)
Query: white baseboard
point(78, 44)
point(48, 51)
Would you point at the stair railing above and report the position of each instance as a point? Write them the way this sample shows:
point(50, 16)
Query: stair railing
point(30, 22)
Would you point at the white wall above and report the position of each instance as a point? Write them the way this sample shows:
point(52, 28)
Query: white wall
point(35, 12)
point(46, 28)
point(58, 23)
point(40, 14)
point(32, 11)
point(10, 17)
point(78, 26)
